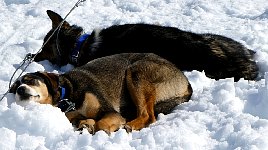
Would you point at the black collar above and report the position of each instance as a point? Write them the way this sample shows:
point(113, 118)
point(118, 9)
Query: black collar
point(65, 104)
point(76, 50)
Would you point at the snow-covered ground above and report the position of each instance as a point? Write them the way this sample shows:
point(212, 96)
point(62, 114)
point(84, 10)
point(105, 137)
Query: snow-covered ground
point(221, 115)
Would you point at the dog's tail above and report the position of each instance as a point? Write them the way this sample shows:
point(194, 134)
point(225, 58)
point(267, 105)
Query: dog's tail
point(231, 59)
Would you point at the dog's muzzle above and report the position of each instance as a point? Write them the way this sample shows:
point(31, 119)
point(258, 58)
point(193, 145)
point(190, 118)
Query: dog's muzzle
point(24, 93)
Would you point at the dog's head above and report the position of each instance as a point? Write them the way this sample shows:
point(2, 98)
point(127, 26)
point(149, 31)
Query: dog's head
point(58, 48)
point(40, 87)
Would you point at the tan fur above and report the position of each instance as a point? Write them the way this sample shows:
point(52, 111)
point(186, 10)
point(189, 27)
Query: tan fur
point(45, 98)
point(110, 122)
point(90, 106)
point(144, 97)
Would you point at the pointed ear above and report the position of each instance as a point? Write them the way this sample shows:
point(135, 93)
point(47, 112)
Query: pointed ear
point(56, 19)
point(14, 87)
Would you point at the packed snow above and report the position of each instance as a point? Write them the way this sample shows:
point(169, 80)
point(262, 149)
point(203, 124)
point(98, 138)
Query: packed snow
point(221, 115)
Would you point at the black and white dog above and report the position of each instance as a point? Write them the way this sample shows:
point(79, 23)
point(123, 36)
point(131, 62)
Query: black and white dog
point(218, 56)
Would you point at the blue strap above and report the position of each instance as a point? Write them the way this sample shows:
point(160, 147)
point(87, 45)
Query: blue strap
point(62, 92)
point(77, 48)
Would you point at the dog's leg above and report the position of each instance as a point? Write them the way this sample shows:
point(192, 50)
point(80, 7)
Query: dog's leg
point(74, 117)
point(110, 122)
point(143, 95)
point(80, 122)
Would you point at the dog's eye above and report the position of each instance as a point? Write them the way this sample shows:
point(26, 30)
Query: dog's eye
point(30, 81)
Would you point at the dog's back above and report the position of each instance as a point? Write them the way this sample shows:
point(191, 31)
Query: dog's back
point(218, 56)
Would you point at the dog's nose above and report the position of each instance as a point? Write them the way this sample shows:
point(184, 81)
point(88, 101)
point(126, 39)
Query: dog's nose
point(21, 90)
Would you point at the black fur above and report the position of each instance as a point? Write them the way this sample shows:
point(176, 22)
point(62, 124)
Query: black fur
point(219, 56)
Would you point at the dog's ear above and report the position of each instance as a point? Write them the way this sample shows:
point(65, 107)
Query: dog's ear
point(56, 19)
point(52, 80)
point(14, 87)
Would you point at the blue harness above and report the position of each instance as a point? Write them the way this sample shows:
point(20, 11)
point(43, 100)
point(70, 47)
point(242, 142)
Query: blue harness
point(76, 50)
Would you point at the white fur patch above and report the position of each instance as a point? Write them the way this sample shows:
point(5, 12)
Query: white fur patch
point(97, 40)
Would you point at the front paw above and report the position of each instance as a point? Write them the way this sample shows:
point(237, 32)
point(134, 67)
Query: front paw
point(88, 124)
point(127, 128)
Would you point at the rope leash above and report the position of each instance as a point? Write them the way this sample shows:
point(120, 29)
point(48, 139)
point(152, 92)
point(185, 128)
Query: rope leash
point(29, 59)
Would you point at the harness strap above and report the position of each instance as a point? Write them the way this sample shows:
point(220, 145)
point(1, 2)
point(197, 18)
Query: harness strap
point(62, 92)
point(76, 50)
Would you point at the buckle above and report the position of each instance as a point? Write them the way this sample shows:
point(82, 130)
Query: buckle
point(66, 106)
point(74, 59)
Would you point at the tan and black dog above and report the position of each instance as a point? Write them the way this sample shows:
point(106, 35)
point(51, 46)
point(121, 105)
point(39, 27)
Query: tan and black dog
point(119, 90)
point(218, 56)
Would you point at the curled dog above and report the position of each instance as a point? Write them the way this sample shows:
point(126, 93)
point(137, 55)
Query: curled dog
point(218, 56)
point(127, 89)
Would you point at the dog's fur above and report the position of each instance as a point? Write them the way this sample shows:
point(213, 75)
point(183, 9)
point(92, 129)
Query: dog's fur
point(123, 89)
point(218, 56)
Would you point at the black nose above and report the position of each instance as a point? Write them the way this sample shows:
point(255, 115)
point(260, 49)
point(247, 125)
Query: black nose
point(21, 90)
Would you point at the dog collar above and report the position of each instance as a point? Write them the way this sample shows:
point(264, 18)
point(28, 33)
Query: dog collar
point(64, 104)
point(62, 92)
point(76, 50)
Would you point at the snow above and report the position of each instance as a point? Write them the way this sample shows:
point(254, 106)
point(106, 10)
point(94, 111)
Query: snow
point(221, 114)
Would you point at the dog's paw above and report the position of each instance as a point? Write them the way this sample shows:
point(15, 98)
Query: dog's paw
point(90, 128)
point(87, 124)
point(108, 132)
point(128, 128)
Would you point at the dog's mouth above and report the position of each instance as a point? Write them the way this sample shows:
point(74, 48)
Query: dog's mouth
point(30, 95)
point(26, 94)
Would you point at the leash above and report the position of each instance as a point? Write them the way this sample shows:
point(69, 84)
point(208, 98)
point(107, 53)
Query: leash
point(29, 59)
